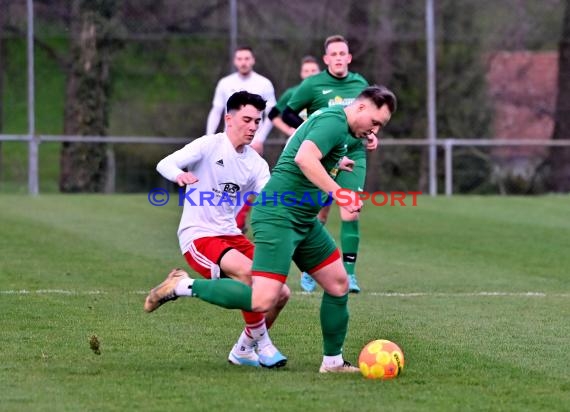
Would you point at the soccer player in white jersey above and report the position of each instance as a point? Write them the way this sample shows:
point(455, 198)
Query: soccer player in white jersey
point(222, 169)
point(245, 78)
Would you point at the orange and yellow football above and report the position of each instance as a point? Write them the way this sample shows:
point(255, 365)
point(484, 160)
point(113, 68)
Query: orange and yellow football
point(381, 359)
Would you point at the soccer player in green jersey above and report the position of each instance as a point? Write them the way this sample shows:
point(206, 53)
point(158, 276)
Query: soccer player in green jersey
point(336, 86)
point(309, 67)
point(286, 228)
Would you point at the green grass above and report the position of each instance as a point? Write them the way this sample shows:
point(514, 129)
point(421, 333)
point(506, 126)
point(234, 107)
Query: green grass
point(85, 262)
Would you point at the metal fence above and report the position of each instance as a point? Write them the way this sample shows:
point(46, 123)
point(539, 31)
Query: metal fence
point(389, 170)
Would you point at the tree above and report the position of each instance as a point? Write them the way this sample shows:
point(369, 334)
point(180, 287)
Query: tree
point(84, 165)
point(559, 179)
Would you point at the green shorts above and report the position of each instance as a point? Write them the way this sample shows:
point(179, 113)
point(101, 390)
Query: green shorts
point(353, 180)
point(280, 241)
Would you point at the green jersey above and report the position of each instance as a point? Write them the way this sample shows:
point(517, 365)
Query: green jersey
point(289, 193)
point(324, 90)
point(284, 99)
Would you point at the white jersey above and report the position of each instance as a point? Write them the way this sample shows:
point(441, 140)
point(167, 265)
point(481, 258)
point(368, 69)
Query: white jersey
point(224, 178)
point(252, 83)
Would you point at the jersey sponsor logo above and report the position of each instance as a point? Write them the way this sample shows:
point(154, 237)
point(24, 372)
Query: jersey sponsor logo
point(327, 91)
point(220, 162)
point(229, 187)
point(340, 101)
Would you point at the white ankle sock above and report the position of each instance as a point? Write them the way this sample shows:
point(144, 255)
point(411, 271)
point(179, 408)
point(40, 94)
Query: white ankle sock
point(259, 334)
point(184, 287)
point(245, 340)
point(335, 360)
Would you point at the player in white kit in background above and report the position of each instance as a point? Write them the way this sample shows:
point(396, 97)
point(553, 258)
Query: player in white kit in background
point(245, 78)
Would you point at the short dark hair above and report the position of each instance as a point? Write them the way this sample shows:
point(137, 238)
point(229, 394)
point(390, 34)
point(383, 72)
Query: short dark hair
point(309, 59)
point(243, 98)
point(244, 47)
point(336, 38)
point(380, 95)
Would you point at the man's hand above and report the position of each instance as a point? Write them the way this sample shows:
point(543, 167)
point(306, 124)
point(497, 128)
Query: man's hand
point(346, 164)
point(186, 178)
point(348, 200)
point(372, 142)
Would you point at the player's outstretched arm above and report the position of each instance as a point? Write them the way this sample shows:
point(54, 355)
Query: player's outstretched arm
point(308, 159)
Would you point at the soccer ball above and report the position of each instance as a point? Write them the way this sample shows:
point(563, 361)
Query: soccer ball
point(381, 359)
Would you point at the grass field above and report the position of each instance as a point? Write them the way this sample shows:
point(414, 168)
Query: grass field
point(476, 291)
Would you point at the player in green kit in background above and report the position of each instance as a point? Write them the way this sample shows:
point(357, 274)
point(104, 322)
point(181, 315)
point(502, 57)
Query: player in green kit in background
point(336, 86)
point(309, 67)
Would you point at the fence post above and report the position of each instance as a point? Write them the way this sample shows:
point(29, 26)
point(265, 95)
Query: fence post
point(448, 146)
point(33, 163)
point(431, 101)
point(233, 32)
point(33, 142)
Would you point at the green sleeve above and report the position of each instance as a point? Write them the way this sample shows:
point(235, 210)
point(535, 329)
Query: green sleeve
point(328, 132)
point(282, 102)
point(302, 97)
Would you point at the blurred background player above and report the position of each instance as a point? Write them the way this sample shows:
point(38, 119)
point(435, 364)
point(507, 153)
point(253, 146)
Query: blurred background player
point(244, 78)
point(309, 67)
point(223, 165)
point(336, 86)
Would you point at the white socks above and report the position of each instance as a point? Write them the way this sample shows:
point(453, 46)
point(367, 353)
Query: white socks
point(184, 287)
point(252, 335)
point(245, 340)
point(331, 361)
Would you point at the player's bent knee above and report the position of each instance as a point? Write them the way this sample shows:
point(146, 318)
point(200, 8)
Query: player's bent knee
point(284, 296)
point(243, 277)
point(266, 292)
point(337, 286)
point(263, 303)
point(263, 306)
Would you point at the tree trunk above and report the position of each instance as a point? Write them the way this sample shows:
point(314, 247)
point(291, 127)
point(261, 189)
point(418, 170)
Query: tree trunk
point(559, 179)
point(84, 165)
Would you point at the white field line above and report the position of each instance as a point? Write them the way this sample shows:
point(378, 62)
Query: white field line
point(379, 294)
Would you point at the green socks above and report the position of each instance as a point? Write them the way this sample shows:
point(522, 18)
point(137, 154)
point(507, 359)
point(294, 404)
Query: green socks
point(231, 294)
point(227, 293)
point(349, 240)
point(334, 323)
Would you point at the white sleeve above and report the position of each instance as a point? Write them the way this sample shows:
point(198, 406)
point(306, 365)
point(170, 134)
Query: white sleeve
point(217, 110)
point(266, 124)
point(262, 176)
point(171, 166)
